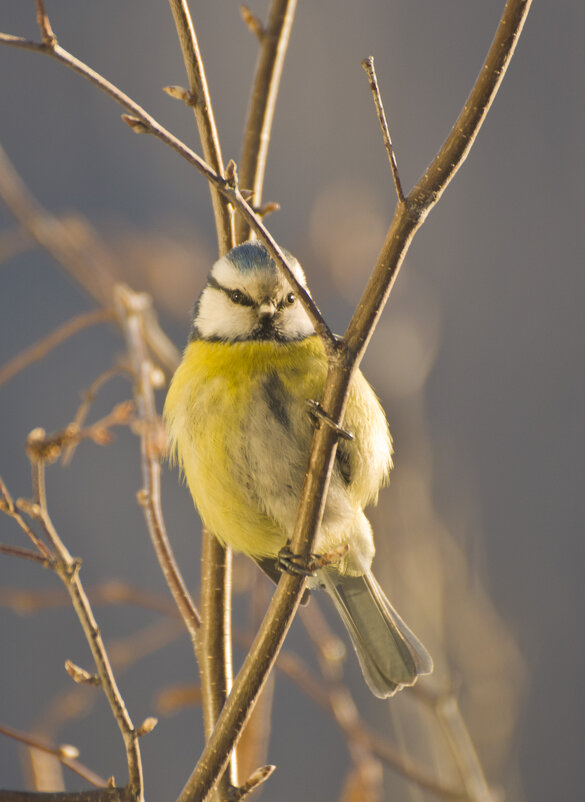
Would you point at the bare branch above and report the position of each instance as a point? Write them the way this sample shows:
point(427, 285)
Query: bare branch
point(274, 44)
point(203, 110)
point(229, 191)
point(268, 641)
point(41, 348)
point(26, 554)
point(131, 308)
point(65, 754)
point(368, 65)
point(67, 568)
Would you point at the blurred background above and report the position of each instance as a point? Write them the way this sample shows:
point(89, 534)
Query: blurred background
point(478, 360)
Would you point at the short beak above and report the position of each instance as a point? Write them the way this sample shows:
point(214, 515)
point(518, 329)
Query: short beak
point(266, 309)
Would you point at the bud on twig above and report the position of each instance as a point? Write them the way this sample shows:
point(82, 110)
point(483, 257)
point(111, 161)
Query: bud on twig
point(80, 675)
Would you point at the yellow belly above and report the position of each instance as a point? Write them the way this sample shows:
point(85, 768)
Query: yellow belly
point(212, 399)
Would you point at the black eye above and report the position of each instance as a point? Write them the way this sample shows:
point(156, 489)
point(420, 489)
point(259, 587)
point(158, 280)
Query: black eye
point(290, 298)
point(236, 296)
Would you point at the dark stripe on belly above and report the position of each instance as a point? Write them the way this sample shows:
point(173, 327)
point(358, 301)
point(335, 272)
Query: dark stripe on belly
point(275, 396)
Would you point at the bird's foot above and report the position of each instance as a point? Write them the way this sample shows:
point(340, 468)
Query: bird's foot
point(290, 563)
point(319, 415)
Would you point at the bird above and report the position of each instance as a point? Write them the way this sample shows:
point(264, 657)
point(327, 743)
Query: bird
point(240, 428)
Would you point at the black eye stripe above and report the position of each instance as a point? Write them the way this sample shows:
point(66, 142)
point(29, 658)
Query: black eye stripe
point(236, 296)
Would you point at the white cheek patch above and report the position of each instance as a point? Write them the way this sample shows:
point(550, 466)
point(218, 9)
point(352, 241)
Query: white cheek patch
point(219, 318)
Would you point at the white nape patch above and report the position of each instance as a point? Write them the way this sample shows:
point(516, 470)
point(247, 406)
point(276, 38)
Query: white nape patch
point(220, 318)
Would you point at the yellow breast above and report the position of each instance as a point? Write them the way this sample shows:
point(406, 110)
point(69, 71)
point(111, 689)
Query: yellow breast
point(213, 393)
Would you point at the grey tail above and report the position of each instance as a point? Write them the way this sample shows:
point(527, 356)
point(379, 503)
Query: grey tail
point(390, 655)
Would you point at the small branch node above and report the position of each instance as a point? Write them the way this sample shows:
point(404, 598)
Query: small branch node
point(147, 726)
point(138, 126)
point(254, 780)
point(253, 22)
point(368, 65)
point(68, 752)
point(143, 497)
point(80, 675)
point(30, 508)
point(180, 93)
point(47, 35)
point(318, 413)
point(266, 209)
point(231, 174)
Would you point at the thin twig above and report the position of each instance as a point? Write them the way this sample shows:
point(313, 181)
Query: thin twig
point(131, 307)
point(368, 65)
point(88, 398)
point(64, 754)
point(25, 554)
point(78, 252)
point(260, 660)
point(8, 506)
point(203, 110)
point(98, 795)
point(274, 39)
point(232, 193)
point(37, 351)
point(67, 568)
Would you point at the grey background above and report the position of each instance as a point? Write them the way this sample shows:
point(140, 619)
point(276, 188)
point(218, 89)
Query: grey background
point(500, 258)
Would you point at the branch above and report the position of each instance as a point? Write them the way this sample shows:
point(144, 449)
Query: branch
point(64, 754)
point(274, 44)
point(37, 351)
point(343, 362)
point(131, 308)
point(368, 65)
point(142, 122)
point(67, 568)
point(99, 795)
point(200, 100)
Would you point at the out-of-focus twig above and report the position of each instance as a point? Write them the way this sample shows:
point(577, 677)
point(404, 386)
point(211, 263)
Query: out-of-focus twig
point(274, 39)
point(142, 122)
point(82, 257)
point(88, 398)
point(131, 308)
point(13, 243)
point(65, 754)
point(42, 347)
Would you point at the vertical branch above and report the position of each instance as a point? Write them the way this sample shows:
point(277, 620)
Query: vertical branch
point(202, 108)
point(215, 650)
point(274, 43)
point(68, 570)
point(131, 308)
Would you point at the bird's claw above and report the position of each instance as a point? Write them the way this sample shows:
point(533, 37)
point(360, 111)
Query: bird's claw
point(319, 415)
point(290, 563)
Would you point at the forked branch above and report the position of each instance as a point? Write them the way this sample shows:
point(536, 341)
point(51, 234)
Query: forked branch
point(408, 218)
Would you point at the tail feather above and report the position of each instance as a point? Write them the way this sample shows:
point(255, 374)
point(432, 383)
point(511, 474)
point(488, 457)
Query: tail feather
point(390, 655)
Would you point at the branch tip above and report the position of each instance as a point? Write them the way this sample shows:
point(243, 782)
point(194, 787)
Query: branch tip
point(47, 35)
point(253, 22)
point(138, 126)
point(80, 675)
point(147, 726)
point(368, 65)
point(180, 93)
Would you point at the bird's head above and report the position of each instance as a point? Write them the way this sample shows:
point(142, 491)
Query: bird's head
point(247, 298)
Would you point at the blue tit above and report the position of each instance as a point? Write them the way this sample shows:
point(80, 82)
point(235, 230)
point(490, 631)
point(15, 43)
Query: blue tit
point(241, 431)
